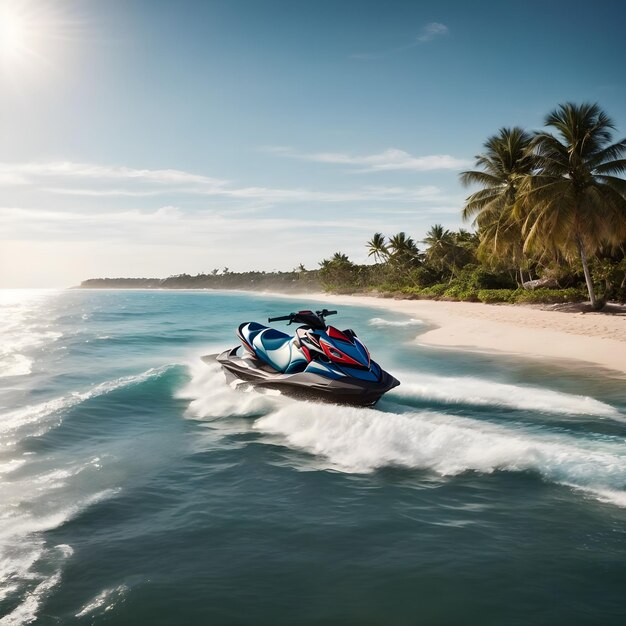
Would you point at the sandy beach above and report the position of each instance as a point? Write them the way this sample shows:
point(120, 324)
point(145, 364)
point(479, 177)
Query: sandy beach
point(594, 337)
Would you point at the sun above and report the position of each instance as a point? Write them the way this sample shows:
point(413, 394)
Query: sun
point(29, 32)
point(15, 32)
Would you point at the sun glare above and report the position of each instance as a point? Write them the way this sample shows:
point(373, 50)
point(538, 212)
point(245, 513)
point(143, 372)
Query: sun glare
point(29, 30)
point(14, 32)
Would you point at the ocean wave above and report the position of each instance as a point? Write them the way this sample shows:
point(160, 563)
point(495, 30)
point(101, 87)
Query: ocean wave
point(22, 549)
point(104, 601)
point(11, 466)
point(28, 523)
point(357, 440)
point(26, 612)
point(41, 414)
point(379, 321)
point(481, 392)
point(12, 361)
point(15, 365)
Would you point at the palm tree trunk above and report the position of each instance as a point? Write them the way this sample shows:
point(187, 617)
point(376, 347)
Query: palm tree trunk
point(583, 258)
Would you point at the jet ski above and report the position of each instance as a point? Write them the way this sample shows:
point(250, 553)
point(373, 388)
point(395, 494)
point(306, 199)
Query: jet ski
point(318, 362)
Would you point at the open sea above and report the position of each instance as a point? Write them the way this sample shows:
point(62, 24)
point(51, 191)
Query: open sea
point(137, 488)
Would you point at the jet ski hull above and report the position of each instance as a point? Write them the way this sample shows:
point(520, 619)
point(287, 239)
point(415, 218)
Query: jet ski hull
point(303, 385)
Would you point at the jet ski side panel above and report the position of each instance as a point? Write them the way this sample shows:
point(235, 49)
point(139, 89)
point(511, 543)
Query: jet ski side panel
point(307, 384)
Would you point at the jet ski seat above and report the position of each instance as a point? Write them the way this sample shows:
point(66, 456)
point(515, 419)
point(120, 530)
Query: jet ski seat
point(273, 347)
point(276, 348)
point(273, 339)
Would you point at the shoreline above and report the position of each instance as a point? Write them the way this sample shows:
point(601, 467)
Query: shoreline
point(594, 338)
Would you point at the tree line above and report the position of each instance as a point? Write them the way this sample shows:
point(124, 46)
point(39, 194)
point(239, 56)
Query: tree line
point(549, 218)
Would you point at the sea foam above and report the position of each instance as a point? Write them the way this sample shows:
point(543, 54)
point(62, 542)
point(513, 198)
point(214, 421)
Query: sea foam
point(360, 440)
point(481, 392)
point(379, 321)
point(104, 601)
point(211, 397)
point(22, 548)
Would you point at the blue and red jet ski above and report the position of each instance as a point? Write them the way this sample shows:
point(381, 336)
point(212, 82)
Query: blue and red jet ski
point(318, 362)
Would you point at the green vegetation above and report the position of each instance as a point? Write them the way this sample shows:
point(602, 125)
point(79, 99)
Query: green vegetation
point(550, 220)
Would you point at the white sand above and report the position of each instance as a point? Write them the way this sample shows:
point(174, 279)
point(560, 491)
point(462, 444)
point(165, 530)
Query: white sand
point(596, 338)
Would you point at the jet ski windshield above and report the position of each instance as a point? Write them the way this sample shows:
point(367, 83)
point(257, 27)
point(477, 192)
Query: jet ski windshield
point(314, 320)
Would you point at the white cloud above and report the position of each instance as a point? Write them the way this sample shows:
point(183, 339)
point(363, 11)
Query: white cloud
point(432, 30)
point(9, 179)
point(104, 172)
point(103, 193)
point(391, 159)
point(427, 33)
point(20, 221)
point(148, 183)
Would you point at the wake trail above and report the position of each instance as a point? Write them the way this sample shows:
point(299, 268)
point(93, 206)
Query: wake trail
point(355, 440)
point(358, 440)
point(481, 392)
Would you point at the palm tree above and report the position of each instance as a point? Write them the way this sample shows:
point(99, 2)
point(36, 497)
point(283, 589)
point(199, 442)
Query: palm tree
point(403, 253)
point(439, 241)
point(503, 165)
point(403, 250)
point(337, 271)
point(573, 202)
point(340, 258)
point(377, 248)
point(400, 243)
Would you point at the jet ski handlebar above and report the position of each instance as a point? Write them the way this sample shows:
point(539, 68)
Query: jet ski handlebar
point(301, 316)
point(282, 318)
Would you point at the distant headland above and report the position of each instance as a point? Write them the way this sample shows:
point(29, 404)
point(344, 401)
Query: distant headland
point(301, 280)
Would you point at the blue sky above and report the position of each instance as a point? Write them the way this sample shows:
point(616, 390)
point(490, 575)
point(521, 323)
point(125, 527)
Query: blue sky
point(148, 138)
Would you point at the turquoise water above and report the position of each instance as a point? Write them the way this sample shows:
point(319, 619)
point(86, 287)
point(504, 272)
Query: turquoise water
point(138, 488)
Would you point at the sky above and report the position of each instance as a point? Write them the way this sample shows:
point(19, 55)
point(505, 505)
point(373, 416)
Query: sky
point(158, 137)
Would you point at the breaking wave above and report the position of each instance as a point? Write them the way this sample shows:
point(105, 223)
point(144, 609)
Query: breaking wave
point(17, 340)
point(23, 549)
point(14, 365)
point(104, 601)
point(26, 612)
point(43, 497)
point(481, 392)
point(379, 321)
point(358, 440)
point(38, 417)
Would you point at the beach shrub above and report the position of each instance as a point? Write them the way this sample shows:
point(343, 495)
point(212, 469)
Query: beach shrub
point(477, 277)
point(490, 296)
point(423, 276)
point(549, 296)
point(460, 292)
point(411, 292)
point(433, 292)
point(609, 276)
